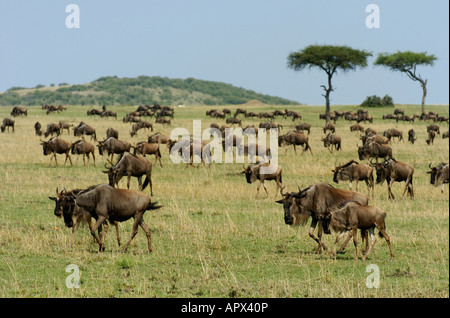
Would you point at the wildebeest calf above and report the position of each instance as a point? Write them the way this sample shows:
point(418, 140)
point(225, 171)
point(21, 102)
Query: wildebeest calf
point(351, 216)
point(255, 172)
point(7, 122)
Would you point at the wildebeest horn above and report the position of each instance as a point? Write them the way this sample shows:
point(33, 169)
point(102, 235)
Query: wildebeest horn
point(429, 166)
point(281, 191)
point(299, 190)
point(57, 190)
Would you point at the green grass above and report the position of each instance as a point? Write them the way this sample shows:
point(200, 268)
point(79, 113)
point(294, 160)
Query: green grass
point(213, 238)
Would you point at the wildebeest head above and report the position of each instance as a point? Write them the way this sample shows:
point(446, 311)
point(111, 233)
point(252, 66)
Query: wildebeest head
point(64, 205)
point(112, 173)
point(362, 152)
point(294, 211)
point(46, 148)
point(100, 146)
point(250, 174)
point(434, 172)
point(336, 173)
point(382, 170)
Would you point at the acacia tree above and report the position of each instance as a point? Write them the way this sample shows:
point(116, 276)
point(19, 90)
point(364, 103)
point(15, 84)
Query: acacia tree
point(407, 62)
point(330, 59)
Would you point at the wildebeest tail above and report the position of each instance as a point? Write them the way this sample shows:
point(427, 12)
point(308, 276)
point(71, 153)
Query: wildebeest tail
point(145, 184)
point(154, 206)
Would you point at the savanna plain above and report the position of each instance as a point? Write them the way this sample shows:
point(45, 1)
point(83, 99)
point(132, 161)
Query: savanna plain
point(213, 237)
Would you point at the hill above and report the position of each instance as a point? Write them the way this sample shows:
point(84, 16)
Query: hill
point(111, 90)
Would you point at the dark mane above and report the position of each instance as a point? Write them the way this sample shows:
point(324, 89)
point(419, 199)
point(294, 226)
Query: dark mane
point(350, 163)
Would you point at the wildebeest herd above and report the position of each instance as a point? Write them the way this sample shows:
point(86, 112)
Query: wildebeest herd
point(328, 207)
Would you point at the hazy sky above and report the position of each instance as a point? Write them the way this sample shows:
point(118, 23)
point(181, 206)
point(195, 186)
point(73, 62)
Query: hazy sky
point(244, 43)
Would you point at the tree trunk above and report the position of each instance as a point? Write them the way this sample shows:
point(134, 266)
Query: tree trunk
point(327, 98)
point(424, 94)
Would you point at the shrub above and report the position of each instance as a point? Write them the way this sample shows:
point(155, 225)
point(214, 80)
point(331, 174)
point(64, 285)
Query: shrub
point(376, 101)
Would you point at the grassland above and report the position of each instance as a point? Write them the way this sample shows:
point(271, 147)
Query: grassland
point(213, 238)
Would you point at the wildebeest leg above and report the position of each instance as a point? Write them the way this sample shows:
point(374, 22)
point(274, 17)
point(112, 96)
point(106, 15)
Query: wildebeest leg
point(295, 150)
point(137, 220)
point(373, 239)
point(388, 240)
point(97, 224)
point(93, 157)
point(311, 234)
point(338, 237)
point(355, 242)
point(391, 195)
point(408, 180)
point(116, 224)
point(56, 162)
point(147, 232)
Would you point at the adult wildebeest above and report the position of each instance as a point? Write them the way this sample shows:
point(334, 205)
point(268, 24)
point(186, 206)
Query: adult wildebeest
point(108, 113)
point(64, 125)
point(84, 129)
point(392, 132)
point(81, 147)
point(111, 132)
point(357, 127)
point(56, 146)
point(431, 136)
point(434, 128)
point(253, 173)
point(113, 146)
point(303, 126)
point(163, 121)
point(140, 125)
point(354, 171)
point(411, 136)
point(368, 138)
point(7, 122)
point(104, 202)
point(351, 216)
point(158, 138)
point(239, 111)
point(439, 175)
point(131, 166)
point(329, 126)
point(53, 128)
point(445, 135)
point(332, 140)
point(314, 201)
point(295, 139)
point(233, 121)
point(18, 110)
point(93, 112)
point(37, 129)
point(145, 148)
point(374, 150)
point(392, 171)
point(79, 215)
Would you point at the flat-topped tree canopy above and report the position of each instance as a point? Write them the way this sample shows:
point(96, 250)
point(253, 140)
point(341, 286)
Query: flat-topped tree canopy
point(329, 58)
point(407, 62)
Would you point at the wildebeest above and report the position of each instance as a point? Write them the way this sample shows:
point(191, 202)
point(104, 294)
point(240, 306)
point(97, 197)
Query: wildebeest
point(140, 125)
point(158, 138)
point(7, 122)
point(93, 112)
point(52, 128)
point(445, 135)
point(332, 140)
point(56, 146)
point(434, 128)
point(131, 166)
point(81, 147)
point(64, 125)
point(392, 171)
point(79, 214)
point(354, 171)
point(303, 126)
point(108, 113)
point(145, 148)
point(329, 126)
point(411, 136)
point(374, 150)
point(295, 139)
point(239, 111)
point(351, 216)
point(439, 175)
point(253, 173)
point(233, 121)
point(37, 129)
point(84, 129)
point(431, 136)
point(115, 205)
point(113, 146)
point(314, 201)
point(111, 132)
point(357, 127)
point(392, 132)
point(163, 121)
point(19, 110)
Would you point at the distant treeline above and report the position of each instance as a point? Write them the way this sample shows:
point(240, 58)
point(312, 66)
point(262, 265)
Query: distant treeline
point(141, 90)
